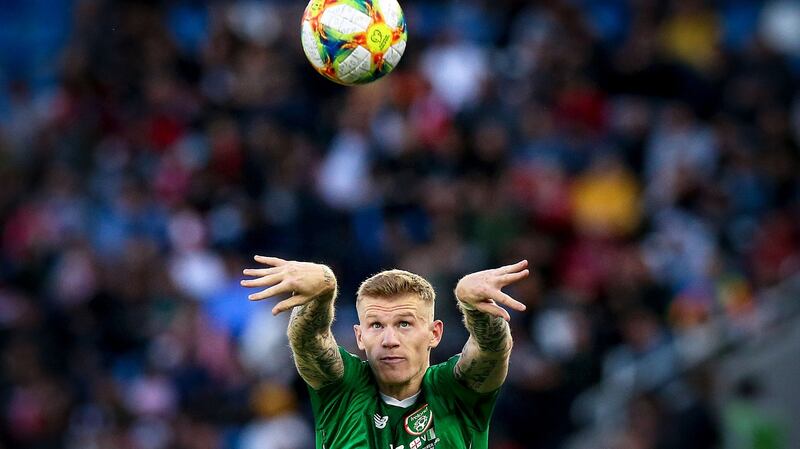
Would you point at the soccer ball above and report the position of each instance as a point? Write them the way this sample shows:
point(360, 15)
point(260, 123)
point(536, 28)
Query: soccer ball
point(354, 41)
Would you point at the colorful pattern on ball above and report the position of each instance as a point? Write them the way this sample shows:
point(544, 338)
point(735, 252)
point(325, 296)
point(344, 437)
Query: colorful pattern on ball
point(354, 41)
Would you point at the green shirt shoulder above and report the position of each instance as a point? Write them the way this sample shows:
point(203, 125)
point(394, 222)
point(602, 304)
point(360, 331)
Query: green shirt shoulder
point(447, 415)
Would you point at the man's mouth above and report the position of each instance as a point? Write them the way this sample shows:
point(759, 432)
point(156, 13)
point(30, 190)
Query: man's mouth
point(391, 360)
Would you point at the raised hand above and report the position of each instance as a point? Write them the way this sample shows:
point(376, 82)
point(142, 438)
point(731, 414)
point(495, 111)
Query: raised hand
point(482, 290)
point(302, 281)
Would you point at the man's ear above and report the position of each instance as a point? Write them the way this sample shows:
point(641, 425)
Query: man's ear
point(357, 330)
point(437, 329)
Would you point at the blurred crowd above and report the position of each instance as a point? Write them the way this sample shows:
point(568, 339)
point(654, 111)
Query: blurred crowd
point(642, 155)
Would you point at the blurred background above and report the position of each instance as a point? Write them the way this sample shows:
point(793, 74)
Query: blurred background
point(642, 155)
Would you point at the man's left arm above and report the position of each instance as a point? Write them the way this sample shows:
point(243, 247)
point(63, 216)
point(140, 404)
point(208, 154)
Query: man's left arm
point(484, 360)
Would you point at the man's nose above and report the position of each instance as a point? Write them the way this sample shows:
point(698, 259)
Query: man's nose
point(390, 338)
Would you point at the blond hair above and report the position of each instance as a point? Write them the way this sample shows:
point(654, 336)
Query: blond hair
point(391, 283)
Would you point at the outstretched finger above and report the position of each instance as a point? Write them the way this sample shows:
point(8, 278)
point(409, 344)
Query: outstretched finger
point(493, 309)
point(260, 271)
point(510, 278)
point(513, 268)
point(507, 300)
point(289, 304)
point(270, 292)
point(274, 261)
point(263, 281)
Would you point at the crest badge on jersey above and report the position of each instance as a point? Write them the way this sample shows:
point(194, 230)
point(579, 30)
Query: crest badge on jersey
point(419, 421)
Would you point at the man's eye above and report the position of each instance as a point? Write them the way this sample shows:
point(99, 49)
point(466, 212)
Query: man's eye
point(375, 325)
point(405, 324)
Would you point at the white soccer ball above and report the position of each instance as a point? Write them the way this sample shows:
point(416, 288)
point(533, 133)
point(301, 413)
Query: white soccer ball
point(354, 41)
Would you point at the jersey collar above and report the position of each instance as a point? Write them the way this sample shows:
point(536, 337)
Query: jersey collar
point(405, 403)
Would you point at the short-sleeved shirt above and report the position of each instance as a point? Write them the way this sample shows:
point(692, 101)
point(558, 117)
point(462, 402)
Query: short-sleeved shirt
point(350, 413)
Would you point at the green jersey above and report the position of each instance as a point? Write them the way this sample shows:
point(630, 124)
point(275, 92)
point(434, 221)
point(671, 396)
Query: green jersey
point(350, 414)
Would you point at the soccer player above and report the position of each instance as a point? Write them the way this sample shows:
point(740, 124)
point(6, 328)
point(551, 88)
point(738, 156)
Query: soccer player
point(395, 399)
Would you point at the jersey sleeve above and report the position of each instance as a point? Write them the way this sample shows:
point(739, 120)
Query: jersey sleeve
point(328, 401)
point(476, 408)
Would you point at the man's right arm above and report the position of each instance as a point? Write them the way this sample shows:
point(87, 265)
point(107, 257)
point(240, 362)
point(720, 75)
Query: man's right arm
point(315, 351)
point(312, 289)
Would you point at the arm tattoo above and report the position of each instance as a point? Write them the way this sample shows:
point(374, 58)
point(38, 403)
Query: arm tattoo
point(490, 332)
point(484, 360)
point(475, 372)
point(328, 278)
point(316, 354)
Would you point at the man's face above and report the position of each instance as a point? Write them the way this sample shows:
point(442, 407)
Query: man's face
point(397, 334)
